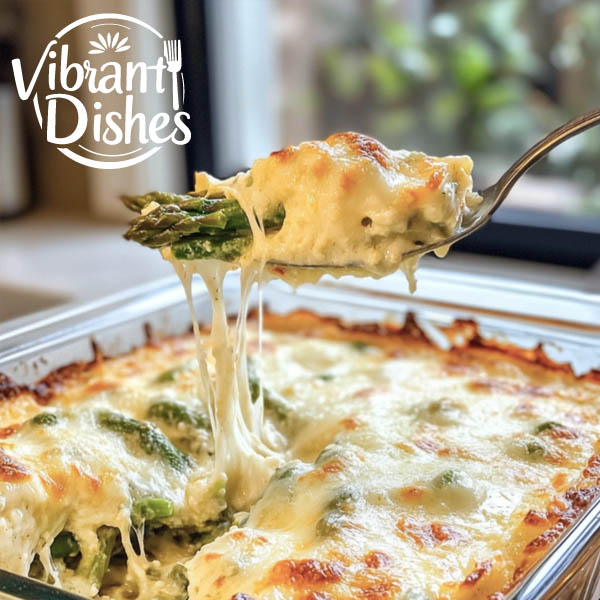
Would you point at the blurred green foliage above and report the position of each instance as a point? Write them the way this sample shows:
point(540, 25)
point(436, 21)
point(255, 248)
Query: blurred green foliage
point(484, 77)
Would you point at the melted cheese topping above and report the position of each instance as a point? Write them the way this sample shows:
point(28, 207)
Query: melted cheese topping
point(69, 471)
point(416, 474)
point(405, 470)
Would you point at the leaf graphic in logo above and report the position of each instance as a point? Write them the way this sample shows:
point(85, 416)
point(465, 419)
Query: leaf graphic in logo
point(122, 45)
point(110, 42)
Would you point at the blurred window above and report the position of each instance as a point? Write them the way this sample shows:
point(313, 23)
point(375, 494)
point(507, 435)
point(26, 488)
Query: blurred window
point(486, 78)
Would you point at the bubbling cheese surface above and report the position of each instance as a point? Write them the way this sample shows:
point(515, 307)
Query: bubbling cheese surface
point(414, 473)
point(406, 471)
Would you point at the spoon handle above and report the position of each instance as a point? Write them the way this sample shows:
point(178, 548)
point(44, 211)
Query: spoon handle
point(500, 190)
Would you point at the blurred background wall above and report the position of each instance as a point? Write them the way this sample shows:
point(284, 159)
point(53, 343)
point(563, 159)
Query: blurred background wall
point(486, 78)
point(483, 77)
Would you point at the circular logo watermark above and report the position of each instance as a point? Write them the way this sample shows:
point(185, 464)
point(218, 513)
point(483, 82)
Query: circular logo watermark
point(98, 97)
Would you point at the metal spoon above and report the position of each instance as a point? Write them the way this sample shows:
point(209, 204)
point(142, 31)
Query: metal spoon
point(25, 588)
point(494, 195)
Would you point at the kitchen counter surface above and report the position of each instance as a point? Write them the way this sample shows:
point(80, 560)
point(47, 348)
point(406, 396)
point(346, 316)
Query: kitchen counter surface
point(60, 259)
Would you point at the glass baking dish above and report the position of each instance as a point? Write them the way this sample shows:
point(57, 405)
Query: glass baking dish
point(565, 323)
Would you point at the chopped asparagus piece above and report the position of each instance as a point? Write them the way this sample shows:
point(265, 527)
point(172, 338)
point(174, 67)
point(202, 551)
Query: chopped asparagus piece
point(326, 376)
point(344, 500)
point(64, 545)
point(151, 439)
point(178, 584)
point(273, 401)
point(93, 565)
point(359, 345)
point(169, 375)
point(546, 426)
point(446, 478)
point(45, 418)
point(151, 509)
point(219, 248)
point(138, 203)
point(173, 413)
point(338, 508)
point(331, 524)
point(535, 449)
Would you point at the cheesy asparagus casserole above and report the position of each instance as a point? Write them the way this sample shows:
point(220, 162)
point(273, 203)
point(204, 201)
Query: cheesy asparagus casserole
point(313, 460)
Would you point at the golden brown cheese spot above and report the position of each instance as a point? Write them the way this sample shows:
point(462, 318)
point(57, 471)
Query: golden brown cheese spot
point(305, 573)
point(350, 423)
point(560, 481)
point(405, 447)
point(93, 482)
point(11, 470)
point(321, 167)
point(577, 501)
point(411, 493)
point(509, 387)
point(458, 368)
point(429, 535)
point(435, 179)
point(525, 410)
point(334, 465)
point(473, 578)
point(55, 483)
point(593, 467)
point(377, 590)
point(377, 560)
point(8, 431)
point(362, 145)
point(535, 518)
point(561, 432)
point(348, 181)
point(210, 556)
point(284, 154)
point(103, 385)
point(9, 389)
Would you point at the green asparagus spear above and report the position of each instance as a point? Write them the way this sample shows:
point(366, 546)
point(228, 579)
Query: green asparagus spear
point(93, 564)
point(547, 425)
point(151, 439)
point(64, 545)
point(45, 418)
point(173, 413)
point(169, 375)
point(178, 584)
point(338, 508)
point(226, 249)
point(191, 201)
point(196, 226)
point(151, 509)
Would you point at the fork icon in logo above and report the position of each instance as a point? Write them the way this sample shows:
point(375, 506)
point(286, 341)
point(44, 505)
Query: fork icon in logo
point(172, 52)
